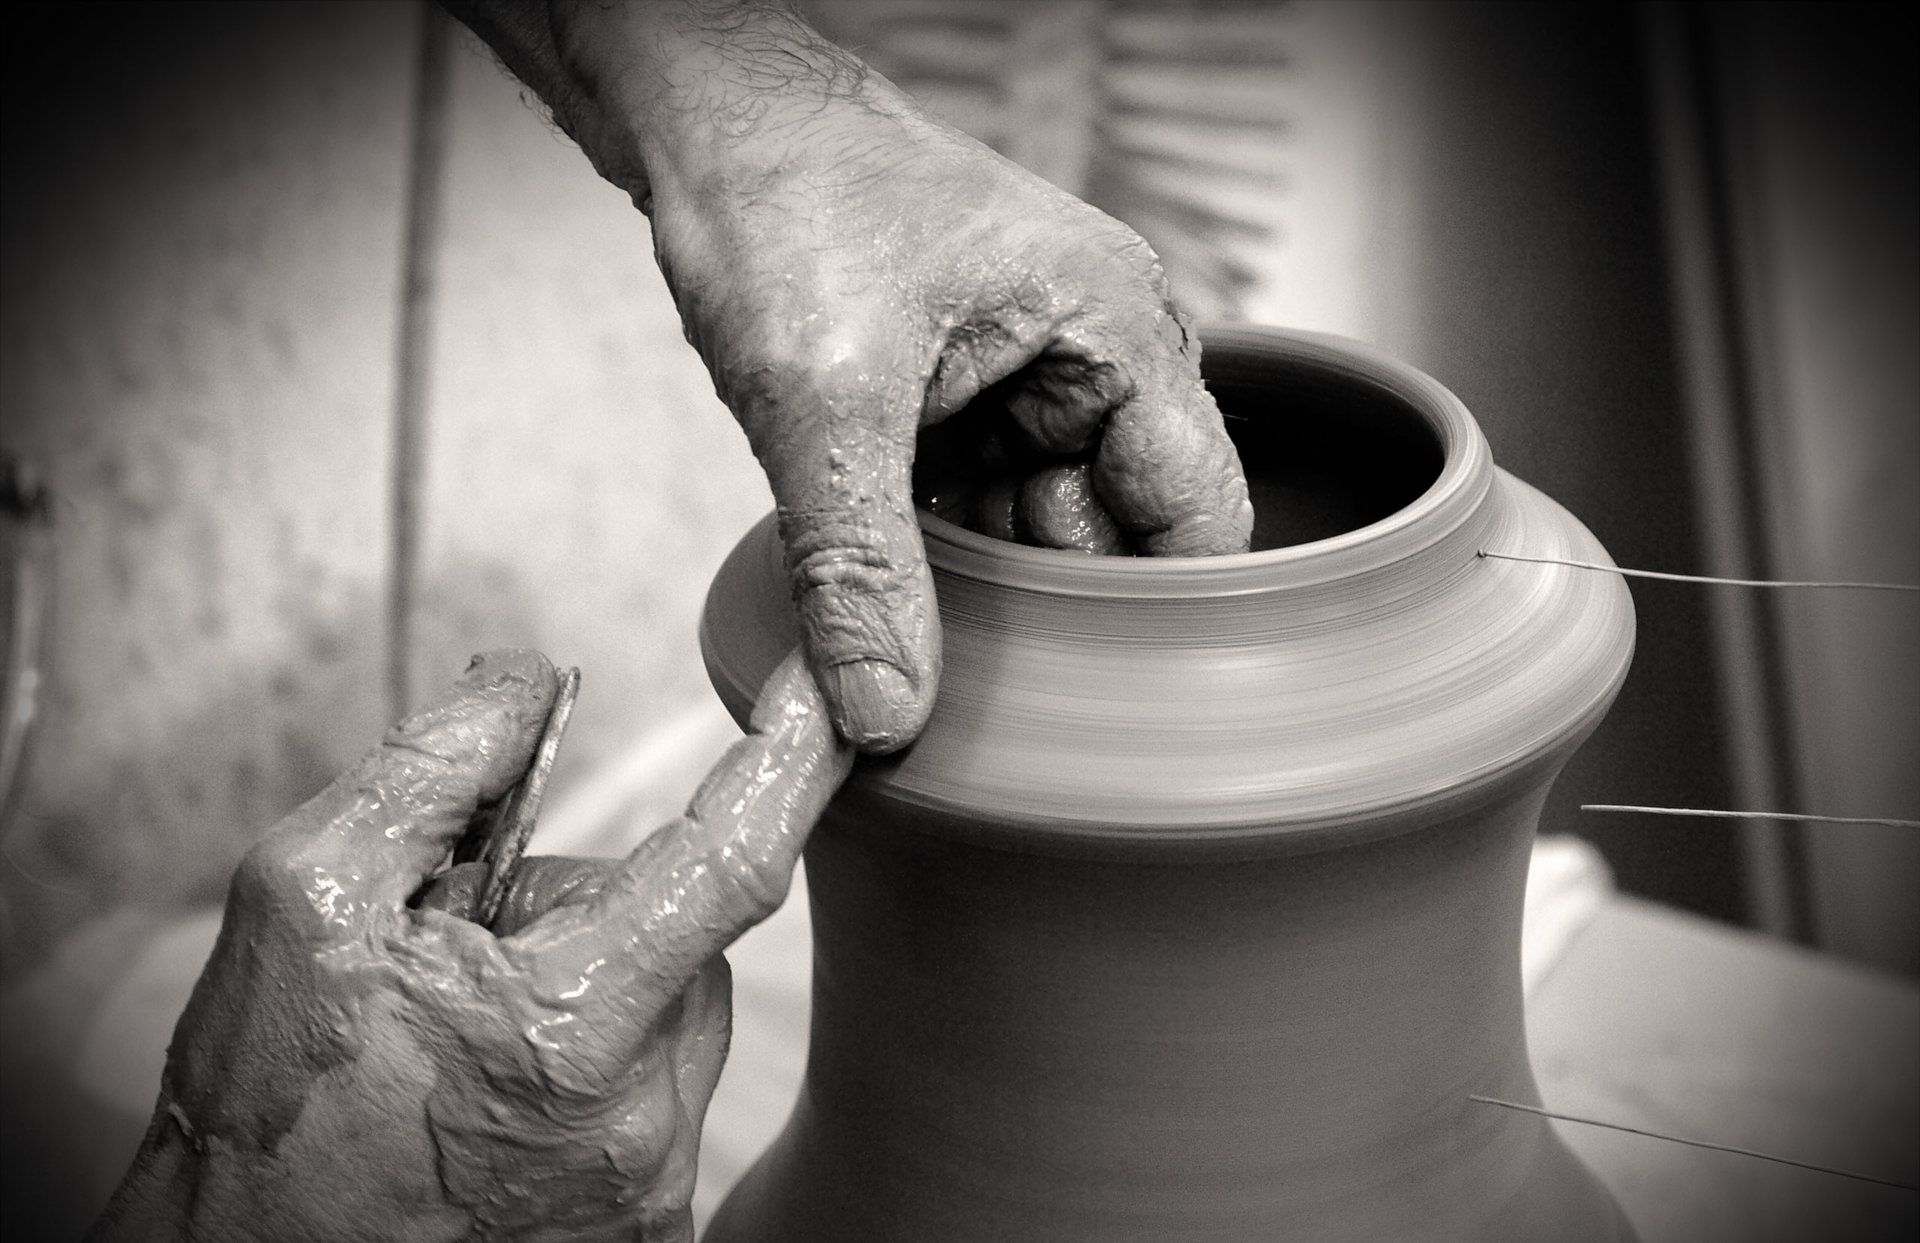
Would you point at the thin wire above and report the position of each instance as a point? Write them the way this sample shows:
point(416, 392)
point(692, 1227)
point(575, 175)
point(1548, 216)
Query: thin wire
point(1751, 815)
point(1695, 1143)
point(1696, 578)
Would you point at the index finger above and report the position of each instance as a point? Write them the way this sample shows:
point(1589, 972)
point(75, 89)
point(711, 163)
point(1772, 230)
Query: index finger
point(691, 889)
point(1166, 469)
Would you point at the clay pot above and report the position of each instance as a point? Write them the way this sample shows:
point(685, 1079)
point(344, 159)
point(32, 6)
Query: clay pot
point(1195, 913)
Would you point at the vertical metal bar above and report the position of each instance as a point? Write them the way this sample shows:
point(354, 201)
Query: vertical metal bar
point(1716, 351)
point(419, 256)
point(26, 596)
point(1051, 89)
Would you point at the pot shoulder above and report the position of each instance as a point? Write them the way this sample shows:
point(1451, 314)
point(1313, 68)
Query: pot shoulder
point(1256, 715)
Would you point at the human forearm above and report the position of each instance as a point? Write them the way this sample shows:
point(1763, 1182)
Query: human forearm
point(657, 90)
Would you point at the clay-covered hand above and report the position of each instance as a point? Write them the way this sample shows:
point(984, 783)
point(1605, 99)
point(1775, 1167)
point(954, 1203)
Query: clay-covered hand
point(855, 273)
point(358, 1063)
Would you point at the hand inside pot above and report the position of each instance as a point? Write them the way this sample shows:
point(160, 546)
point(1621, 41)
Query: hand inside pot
point(854, 273)
point(356, 1065)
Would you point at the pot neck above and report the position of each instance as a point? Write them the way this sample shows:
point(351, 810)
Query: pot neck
point(1416, 543)
point(1339, 688)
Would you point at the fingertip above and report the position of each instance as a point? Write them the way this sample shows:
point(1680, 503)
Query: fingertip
point(793, 707)
point(1222, 527)
point(1170, 473)
point(519, 672)
point(481, 729)
point(874, 706)
point(872, 635)
point(1204, 535)
point(1059, 509)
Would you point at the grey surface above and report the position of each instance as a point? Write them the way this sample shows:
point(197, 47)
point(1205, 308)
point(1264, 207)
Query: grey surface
point(1660, 1020)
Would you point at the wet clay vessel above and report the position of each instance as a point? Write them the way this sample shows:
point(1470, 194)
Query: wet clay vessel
point(1195, 913)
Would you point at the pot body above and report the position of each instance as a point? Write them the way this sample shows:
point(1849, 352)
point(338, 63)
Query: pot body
point(1195, 913)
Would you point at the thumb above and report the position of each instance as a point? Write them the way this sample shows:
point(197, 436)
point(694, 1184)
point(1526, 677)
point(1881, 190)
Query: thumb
point(842, 483)
point(372, 836)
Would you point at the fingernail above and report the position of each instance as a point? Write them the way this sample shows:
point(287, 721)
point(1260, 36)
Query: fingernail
point(483, 670)
point(517, 682)
point(872, 704)
point(504, 665)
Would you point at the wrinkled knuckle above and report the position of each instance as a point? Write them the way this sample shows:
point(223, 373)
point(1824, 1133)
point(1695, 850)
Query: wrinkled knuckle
point(1138, 269)
point(841, 570)
point(272, 873)
point(735, 902)
point(1026, 296)
point(420, 740)
point(837, 552)
point(847, 598)
point(841, 370)
point(838, 380)
point(751, 890)
point(998, 325)
point(999, 332)
point(1061, 392)
point(1116, 247)
point(577, 1085)
point(755, 387)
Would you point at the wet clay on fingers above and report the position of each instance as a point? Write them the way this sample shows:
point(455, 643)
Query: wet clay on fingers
point(1194, 913)
point(354, 1065)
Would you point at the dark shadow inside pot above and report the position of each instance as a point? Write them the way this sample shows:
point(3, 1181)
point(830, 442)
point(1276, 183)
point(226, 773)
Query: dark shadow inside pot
point(1326, 452)
point(1327, 447)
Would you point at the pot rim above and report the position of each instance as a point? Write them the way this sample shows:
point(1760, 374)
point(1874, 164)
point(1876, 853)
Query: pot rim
point(1466, 473)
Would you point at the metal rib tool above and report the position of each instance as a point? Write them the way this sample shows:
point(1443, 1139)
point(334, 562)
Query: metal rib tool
point(501, 841)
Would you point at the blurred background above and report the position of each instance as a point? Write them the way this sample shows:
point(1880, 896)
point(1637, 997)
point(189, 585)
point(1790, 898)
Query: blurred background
point(326, 362)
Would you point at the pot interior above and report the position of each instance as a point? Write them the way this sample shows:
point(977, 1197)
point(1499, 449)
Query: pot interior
point(1326, 452)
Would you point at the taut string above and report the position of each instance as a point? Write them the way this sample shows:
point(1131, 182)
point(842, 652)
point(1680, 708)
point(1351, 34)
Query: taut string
point(1695, 1143)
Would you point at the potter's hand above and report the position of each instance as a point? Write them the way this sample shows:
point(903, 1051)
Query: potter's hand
point(350, 1067)
point(853, 272)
